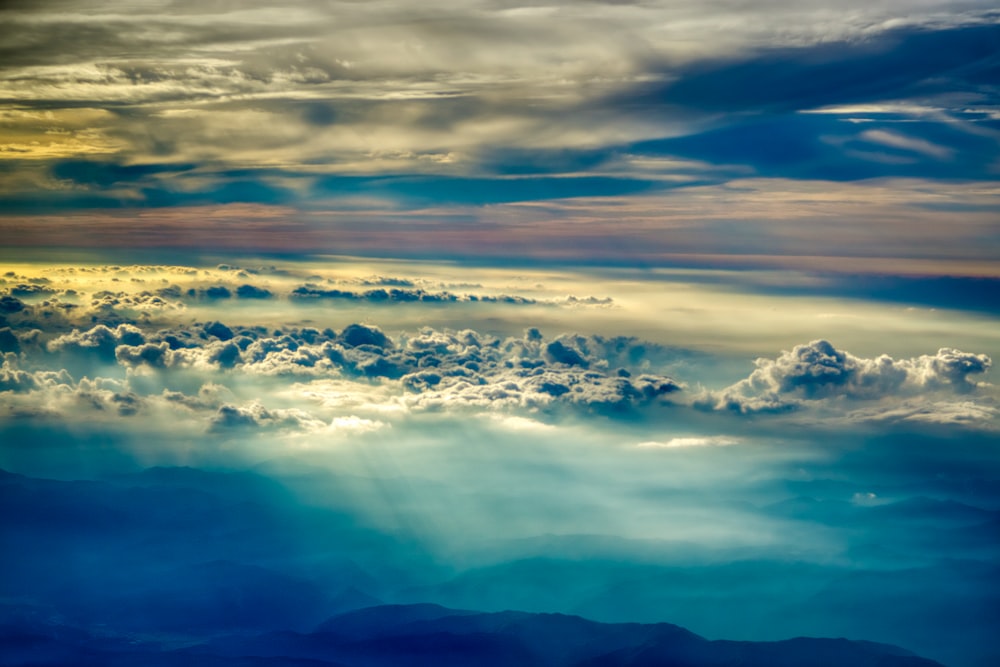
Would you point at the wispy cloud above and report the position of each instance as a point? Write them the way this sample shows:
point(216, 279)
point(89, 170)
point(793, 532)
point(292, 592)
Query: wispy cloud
point(178, 104)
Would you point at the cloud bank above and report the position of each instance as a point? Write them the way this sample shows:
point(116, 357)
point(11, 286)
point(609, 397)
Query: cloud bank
point(181, 343)
point(818, 373)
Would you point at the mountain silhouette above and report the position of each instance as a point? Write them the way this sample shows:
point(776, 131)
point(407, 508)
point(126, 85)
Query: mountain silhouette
point(428, 634)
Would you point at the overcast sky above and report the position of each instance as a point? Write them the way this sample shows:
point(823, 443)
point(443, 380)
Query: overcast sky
point(591, 130)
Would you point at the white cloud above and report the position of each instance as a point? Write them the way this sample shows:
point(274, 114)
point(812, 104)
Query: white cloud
point(279, 367)
point(907, 143)
point(353, 424)
point(690, 441)
point(818, 374)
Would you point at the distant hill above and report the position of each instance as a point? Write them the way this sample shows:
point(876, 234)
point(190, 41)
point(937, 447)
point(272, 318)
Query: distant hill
point(426, 634)
point(422, 635)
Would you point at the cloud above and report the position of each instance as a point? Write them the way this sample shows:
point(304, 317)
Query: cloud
point(442, 369)
point(426, 370)
point(904, 142)
point(247, 291)
point(15, 380)
point(691, 441)
point(946, 413)
point(155, 355)
point(10, 304)
point(280, 353)
point(400, 295)
point(219, 330)
point(98, 342)
point(818, 371)
point(9, 341)
point(355, 424)
point(888, 65)
point(463, 105)
point(254, 416)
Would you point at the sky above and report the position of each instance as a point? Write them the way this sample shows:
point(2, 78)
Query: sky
point(596, 131)
point(643, 311)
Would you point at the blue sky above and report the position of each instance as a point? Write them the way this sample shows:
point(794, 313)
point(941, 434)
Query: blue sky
point(645, 311)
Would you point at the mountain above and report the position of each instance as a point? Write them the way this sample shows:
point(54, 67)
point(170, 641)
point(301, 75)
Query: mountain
point(426, 634)
point(175, 562)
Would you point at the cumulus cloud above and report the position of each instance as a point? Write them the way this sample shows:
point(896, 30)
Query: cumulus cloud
point(99, 341)
point(156, 355)
point(248, 291)
point(30, 290)
point(443, 369)
point(109, 304)
point(255, 416)
point(50, 395)
point(162, 366)
point(15, 380)
point(404, 295)
point(10, 304)
point(818, 371)
point(429, 369)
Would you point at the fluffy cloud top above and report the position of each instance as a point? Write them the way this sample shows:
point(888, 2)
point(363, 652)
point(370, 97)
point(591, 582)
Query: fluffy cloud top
point(109, 355)
point(426, 370)
point(818, 371)
point(101, 341)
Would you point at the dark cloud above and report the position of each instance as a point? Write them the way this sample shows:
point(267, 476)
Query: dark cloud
point(403, 295)
point(891, 65)
point(217, 292)
point(9, 304)
point(107, 174)
point(356, 335)
point(9, 341)
point(254, 416)
point(156, 355)
point(218, 330)
point(127, 404)
point(227, 355)
point(30, 290)
point(756, 100)
point(247, 291)
point(833, 147)
point(559, 352)
point(320, 114)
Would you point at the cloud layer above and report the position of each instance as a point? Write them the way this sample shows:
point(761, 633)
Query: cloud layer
point(289, 118)
point(232, 349)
